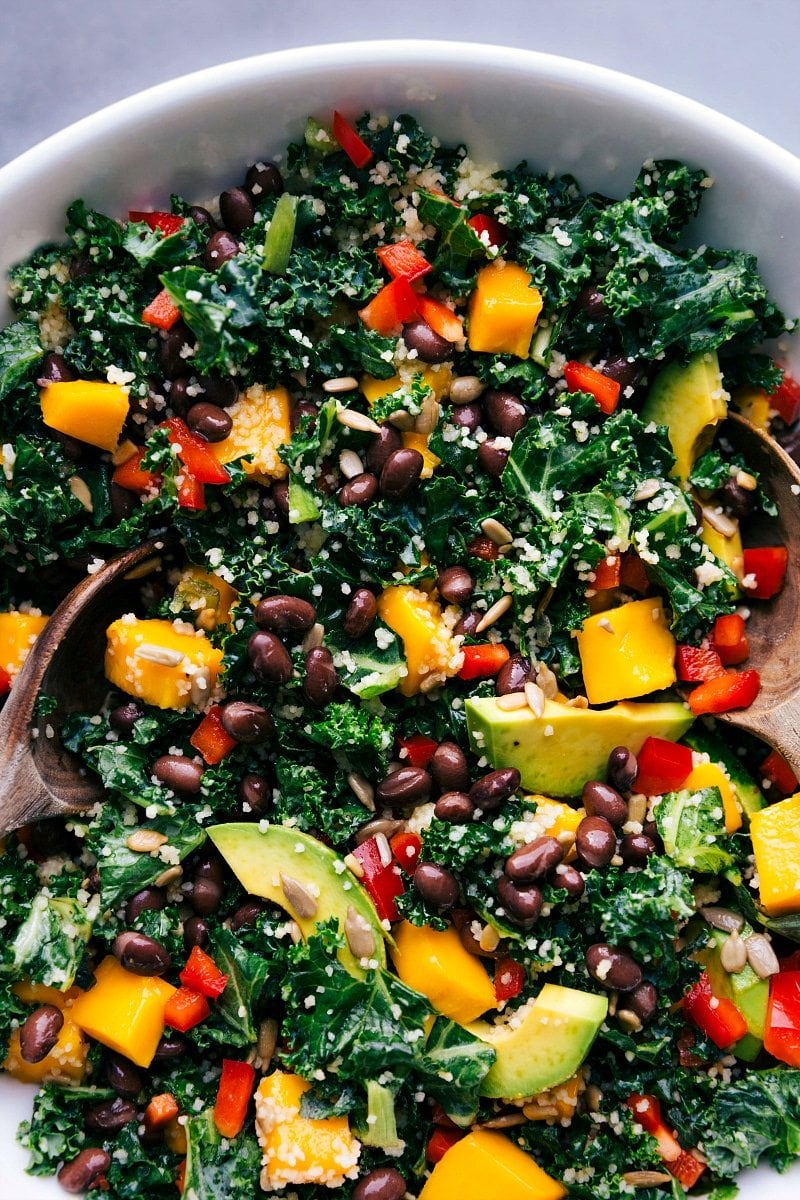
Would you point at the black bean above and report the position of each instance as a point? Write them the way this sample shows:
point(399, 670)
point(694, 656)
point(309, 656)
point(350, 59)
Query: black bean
point(623, 370)
point(455, 585)
point(285, 614)
point(81, 265)
point(39, 1032)
point(321, 679)
point(269, 658)
point(221, 247)
point(263, 179)
point(596, 841)
point(79, 1175)
point(622, 768)
point(55, 369)
point(74, 450)
point(171, 1045)
point(123, 1076)
point(570, 879)
point(384, 1183)
point(449, 767)
point(172, 361)
point(141, 955)
point(466, 416)
point(209, 421)
point(122, 501)
point(737, 500)
point(513, 675)
point(202, 218)
point(467, 626)
point(246, 913)
point(490, 791)
point(492, 458)
point(110, 1116)
point(280, 496)
point(236, 209)
point(382, 445)
point(406, 786)
point(643, 1000)
point(205, 898)
point(590, 301)
point(455, 807)
point(178, 395)
point(256, 792)
point(303, 408)
point(636, 848)
point(179, 773)
point(650, 829)
point(124, 716)
point(436, 885)
point(522, 903)
point(195, 929)
point(151, 899)
point(602, 800)
point(360, 491)
point(506, 412)
point(221, 390)
point(360, 614)
point(613, 968)
point(534, 860)
point(247, 722)
point(430, 346)
point(400, 473)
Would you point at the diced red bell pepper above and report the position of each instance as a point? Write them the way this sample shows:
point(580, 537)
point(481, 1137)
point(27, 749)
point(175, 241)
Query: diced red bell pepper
point(719, 1019)
point(195, 453)
point(166, 222)
point(606, 573)
point(233, 1096)
point(484, 547)
point(663, 766)
point(583, 378)
point(687, 1169)
point(403, 260)
point(633, 574)
point(180, 1176)
point(441, 319)
point(5, 681)
point(202, 974)
point(161, 1110)
point(776, 769)
point(211, 737)
point(354, 146)
point(646, 1112)
point(734, 689)
point(417, 749)
point(129, 474)
point(406, 847)
point(687, 1057)
point(191, 492)
point(786, 399)
point(185, 1009)
point(696, 664)
point(782, 1031)
point(440, 1142)
point(161, 311)
point(484, 661)
point(509, 979)
point(382, 877)
point(767, 565)
point(729, 639)
point(495, 230)
point(394, 305)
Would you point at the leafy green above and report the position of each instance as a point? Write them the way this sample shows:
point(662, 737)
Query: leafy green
point(692, 827)
point(55, 1132)
point(19, 350)
point(124, 872)
point(753, 1119)
point(216, 1167)
point(364, 737)
point(138, 1168)
point(247, 973)
point(217, 307)
point(49, 945)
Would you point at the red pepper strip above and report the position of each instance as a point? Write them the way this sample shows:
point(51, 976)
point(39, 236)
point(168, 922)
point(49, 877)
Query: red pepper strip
point(202, 975)
point(440, 1142)
point(161, 1110)
point(729, 639)
point(663, 766)
point(696, 664)
point(485, 548)
point(441, 319)
point(734, 689)
point(687, 1169)
point(632, 573)
point(786, 399)
point(718, 1018)
point(768, 565)
point(195, 453)
point(776, 769)
point(406, 848)
point(233, 1096)
point(5, 681)
point(782, 1032)
point(418, 749)
point(180, 1176)
point(161, 311)
point(354, 147)
point(403, 260)
point(481, 662)
point(185, 1009)
point(130, 475)
point(606, 573)
point(646, 1112)
point(381, 876)
point(509, 979)
point(495, 230)
point(394, 304)
point(582, 378)
point(166, 222)
point(191, 492)
point(211, 737)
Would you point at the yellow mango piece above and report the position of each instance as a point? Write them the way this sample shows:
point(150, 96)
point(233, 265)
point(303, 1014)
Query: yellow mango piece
point(261, 423)
point(427, 641)
point(66, 1062)
point(298, 1149)
point(437, 376)
point(201, 590)
point(435, 963)
point(555, 819)
point(711, 774)
point(124, 1011)
point(728, 550)
point(775, 833)
point(503, 310)
point(488, 1166)
point(154, 661)
point(626, 652)
point(18, 632)
point(419, 441)
point(39, 993)
point(753, 403)
point(90, 411)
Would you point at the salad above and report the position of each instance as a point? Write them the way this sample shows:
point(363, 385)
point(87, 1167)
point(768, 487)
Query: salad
point(421, 867)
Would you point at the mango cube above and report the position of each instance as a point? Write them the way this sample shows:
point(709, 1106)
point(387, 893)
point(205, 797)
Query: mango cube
point(437, 377)
point(435, 963)
point(503, 310)
point(626, 652)
point(66, 1062)
point(428, 644)
point(160, 664)
point(775, 832)
point(85, 409)
point(201, 591)
point(711, 774)
point(419, 441)
point(297, 1149)
point(488, 1166)
point(124, 1011)
point(753, 403)
point(18, 632)
point(261, 423)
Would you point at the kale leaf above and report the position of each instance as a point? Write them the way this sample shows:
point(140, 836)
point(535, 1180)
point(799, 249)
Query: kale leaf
point(218, 1168)
point(692, 827)
point(754, 1118)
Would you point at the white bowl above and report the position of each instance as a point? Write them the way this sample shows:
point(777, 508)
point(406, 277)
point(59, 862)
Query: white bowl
point(194, 135)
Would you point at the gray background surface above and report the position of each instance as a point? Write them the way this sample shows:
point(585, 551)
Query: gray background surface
point(63, 59)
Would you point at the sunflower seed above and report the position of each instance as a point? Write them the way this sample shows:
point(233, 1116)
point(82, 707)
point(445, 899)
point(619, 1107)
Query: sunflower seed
point(298, 895)
point(358, 932)
point(647, 489)
point(511, 701)
point(314, 638)
point(343, 383)
point(719, 521)
point(646, 1178)
point(547, 681)
point(200, 686)
point(362, 789)
point(81, 492)
point(746, 481)
point(169, 876)
point(733, 955)
point(353, 865)
point(489, 939)
point(540, 1112)
point(429, 415)
point(761, 956)
point(497, 532)
point(722, 918)
point(160, 655)
point(629, 1021)
point(267, 1041)
point(506, 1121)
point(534, 698)
point(350, 464)
point(498, 610)
point(146, 841)
point(352, 419)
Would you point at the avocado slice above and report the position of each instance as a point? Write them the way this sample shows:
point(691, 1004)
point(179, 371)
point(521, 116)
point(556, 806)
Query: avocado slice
point(264, 859)
point(690, 401)
point(748, 793)
point(749, 993)
point(556, 753)
point(546, 1046)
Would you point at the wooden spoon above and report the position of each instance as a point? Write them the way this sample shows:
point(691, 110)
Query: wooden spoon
point(38, 777)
